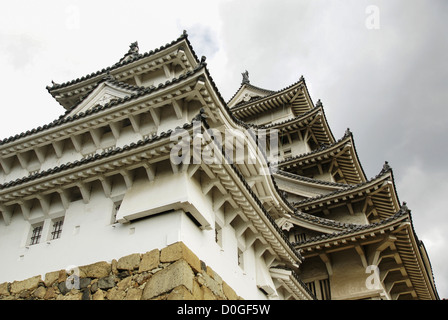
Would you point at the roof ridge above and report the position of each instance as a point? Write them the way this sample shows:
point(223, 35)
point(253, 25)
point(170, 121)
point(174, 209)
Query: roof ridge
point(308, 179)
point(63, 119)
point(322, 147)
point(386, 169)
point(135, 56)
point(271, 92)
point(357, 227)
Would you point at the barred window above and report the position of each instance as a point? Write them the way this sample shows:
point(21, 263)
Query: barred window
point(37, 234)
point(325, 289)
point(57, 229)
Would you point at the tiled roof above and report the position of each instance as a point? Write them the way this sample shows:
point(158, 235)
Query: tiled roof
point(386, 170)
point(139, 92)
point(353, 228)
point(122, 62)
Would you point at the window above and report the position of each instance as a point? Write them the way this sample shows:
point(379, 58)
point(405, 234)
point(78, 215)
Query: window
point(116, 207)
point(325, 289)
point(57, 229)
point(300, 237)
point(36, 234)
point(218, 234)
point(240, 259)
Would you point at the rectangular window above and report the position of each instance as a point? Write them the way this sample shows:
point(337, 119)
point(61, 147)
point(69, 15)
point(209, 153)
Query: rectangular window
point(240, 259)
point(218, 234)
point(116, 207)
point(300, 237)
point(36, 234)
point(325, 289)
point(57, 229)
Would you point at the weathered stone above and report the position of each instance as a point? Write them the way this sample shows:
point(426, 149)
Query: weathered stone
point(205, 280)
point(94, 286)
point(62, 276)
point(115, 294)
point(106, 282)
point(72, 296)
point(40, 292)
point(150, 260)
point(123, 274)
point(178, 251)
point(96, 270)
point(180, 293)
point(229, 292)
point(208, 294)
point(141, 278)
point(98, 295)
point(178, 273)
point(25, 294)
point(84, 282)
point(85, 294)
point(50, 294)
point(114, 267)
point(28, 284)
point(4, 289)
point(125, 283)
point(51, 277)
point(63, 288)
point(198, 294)
point(129, 262)
point(214, 275)
point(134, 294)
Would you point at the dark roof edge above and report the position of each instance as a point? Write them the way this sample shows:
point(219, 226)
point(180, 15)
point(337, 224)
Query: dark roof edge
point(184, 36)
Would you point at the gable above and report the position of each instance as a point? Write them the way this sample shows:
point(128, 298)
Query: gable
point(104, 93)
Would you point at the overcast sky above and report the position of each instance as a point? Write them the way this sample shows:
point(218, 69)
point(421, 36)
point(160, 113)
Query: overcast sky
point(380, 68)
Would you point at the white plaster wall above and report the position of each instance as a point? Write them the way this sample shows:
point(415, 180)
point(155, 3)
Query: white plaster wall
point(88, 236)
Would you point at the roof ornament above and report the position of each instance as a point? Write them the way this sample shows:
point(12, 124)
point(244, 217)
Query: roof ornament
point(245, 75)
point(319, 103)
point(404, 207)
point(386, 166)
point(132, 53)
point(347, 132)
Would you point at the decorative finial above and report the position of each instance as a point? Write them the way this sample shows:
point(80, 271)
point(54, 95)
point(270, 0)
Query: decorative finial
point(318, 103)
point(386, 166)
point(245, 75)
point(203, 58)
point(348, 132)
point(404, 207)
point(133, 47)
point(301, 78)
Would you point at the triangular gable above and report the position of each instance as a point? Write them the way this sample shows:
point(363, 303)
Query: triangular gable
point(102, 94)
point(248, 92)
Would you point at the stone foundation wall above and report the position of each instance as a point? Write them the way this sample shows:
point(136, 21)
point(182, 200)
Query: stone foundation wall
point(173, 273)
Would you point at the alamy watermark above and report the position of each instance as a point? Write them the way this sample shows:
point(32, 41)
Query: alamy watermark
point(211, 146)
point(373, 17)
point(373, 281)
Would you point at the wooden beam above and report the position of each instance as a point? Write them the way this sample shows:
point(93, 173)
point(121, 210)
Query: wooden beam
point(326, 259)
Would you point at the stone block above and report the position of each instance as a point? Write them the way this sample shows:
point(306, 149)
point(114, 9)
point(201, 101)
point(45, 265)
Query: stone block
point(40, 292)
point(4, 289)
point(51, 277)
point(180, 293)
point(98, 295)
point(28, 284)
point(150, 260)
point(229, 292)
point(177, 274)
point(50, 294)
point(178, 251)
point(106, 282)
point(115, 294)
point(129, 262)
point(96, 270)
point(134, 294)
